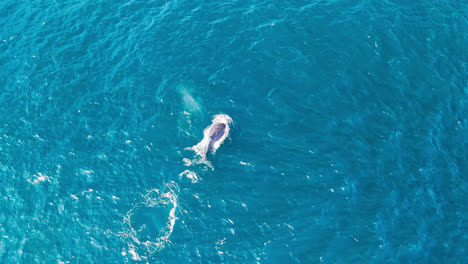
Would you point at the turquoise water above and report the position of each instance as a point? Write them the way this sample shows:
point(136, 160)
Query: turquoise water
point(349, 141)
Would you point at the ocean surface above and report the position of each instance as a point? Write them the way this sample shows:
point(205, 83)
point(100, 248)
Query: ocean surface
point(349, 141)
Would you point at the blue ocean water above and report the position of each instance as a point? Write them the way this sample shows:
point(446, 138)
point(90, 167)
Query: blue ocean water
point(349, 141)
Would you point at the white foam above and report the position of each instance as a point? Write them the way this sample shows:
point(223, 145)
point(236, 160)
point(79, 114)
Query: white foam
point(134, 254)
point(202, 147)
point(246, 164)
point(152, 198)
point(39, 178)
point(190, 175)
point(187, 162)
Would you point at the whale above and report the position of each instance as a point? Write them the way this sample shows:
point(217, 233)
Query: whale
point(214, 135)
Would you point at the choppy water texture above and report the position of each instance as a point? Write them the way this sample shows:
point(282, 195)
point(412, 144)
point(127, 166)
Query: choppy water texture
point(349, 140)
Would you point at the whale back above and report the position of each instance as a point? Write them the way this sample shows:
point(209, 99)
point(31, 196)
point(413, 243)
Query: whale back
point(216, 133)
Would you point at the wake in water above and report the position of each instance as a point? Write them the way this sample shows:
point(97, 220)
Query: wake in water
point(213, 136)
point(149, 224)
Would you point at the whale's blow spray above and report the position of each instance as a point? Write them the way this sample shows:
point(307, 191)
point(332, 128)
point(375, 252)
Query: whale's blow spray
point(214, 135)
point(191, 104)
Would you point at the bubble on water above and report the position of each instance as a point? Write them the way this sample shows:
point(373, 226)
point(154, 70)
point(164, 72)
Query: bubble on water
point(149, 224)
point(190, 175)
point(187, 162)
point(39, 178)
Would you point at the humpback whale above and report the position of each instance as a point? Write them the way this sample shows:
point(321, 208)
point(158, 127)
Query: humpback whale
point(214, 135)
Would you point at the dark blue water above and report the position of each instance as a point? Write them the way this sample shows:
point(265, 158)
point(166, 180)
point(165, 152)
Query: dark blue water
point(349, 142)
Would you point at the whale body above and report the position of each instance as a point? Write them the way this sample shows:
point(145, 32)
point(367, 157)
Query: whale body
point(214, 135)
